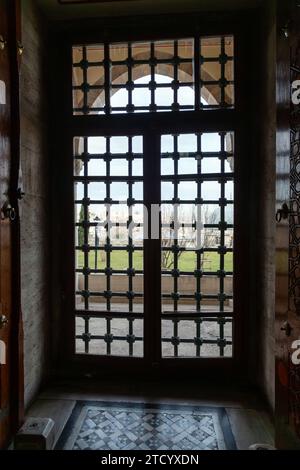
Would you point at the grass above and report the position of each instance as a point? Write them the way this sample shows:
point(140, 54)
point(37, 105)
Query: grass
point(187, 261)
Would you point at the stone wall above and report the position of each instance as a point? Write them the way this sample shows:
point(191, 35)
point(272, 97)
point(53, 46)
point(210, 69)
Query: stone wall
point(265, 236)
point(34, 207)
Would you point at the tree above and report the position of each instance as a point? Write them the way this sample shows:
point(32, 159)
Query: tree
point(210, 217)
point(189, 237)
point(167, 236)
point(81, 229)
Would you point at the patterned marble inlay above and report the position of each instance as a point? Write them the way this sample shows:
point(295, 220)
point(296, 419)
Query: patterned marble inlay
point(130, 428)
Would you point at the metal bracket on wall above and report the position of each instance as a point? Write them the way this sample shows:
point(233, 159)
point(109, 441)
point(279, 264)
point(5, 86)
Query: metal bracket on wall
point(287, 328)
point(8, 212)
point(3, 321)
point(2, 43)
point(20, 48)
point(282, 213)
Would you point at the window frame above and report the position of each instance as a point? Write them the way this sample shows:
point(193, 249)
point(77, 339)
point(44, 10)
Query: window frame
point(67, 126)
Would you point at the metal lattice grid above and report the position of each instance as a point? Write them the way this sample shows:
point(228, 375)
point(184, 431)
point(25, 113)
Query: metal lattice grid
point(294, 394)
point(294, 222)
point(197, 196)
point(108, 178)
point(294, 242)
point(174, 75)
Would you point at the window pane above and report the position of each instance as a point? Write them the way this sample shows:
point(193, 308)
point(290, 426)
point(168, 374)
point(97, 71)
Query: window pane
point(153, 77)
point(109, 245)
point(197, 245)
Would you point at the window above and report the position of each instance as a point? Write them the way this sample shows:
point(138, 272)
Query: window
point(197, 200)
point(154, 207)
point(108, 178)
point(175, 75)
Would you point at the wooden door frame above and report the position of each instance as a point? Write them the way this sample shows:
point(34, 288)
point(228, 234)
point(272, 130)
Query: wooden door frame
point(17, 395)
point(15, 353)
point(286, 311)
point(66, 126)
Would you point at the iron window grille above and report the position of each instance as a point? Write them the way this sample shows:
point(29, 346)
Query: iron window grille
point(204, 66)
point(110, 319)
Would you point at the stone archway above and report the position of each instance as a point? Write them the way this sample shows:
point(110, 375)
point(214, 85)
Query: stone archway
point(210, 72)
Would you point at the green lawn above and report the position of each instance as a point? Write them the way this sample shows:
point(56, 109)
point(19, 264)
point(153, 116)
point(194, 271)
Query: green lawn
point(187, 261)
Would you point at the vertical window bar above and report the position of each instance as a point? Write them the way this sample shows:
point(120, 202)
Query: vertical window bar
point(175, 222)
point(198, 337)
point(223, 78)
point(108, 336)
point(222, 243)
point(130, 230)
point(108, 227)
point(107, 107)
point(175, 337)
point(198, 222)
point(175, 105)
point(153, 83)
point(198, 241)
point(175, 241)
point(86, 230)
point(130, 343)
point(130, 107)
point(201, 62)
point(130, 244)
point(197, 65)
point(85, 82)
point(86, 335)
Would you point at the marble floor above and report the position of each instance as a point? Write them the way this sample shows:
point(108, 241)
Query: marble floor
point(247, 414)
point(132, 426)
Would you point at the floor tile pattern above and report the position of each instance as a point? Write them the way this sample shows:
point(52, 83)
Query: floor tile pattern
point(115, 428)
